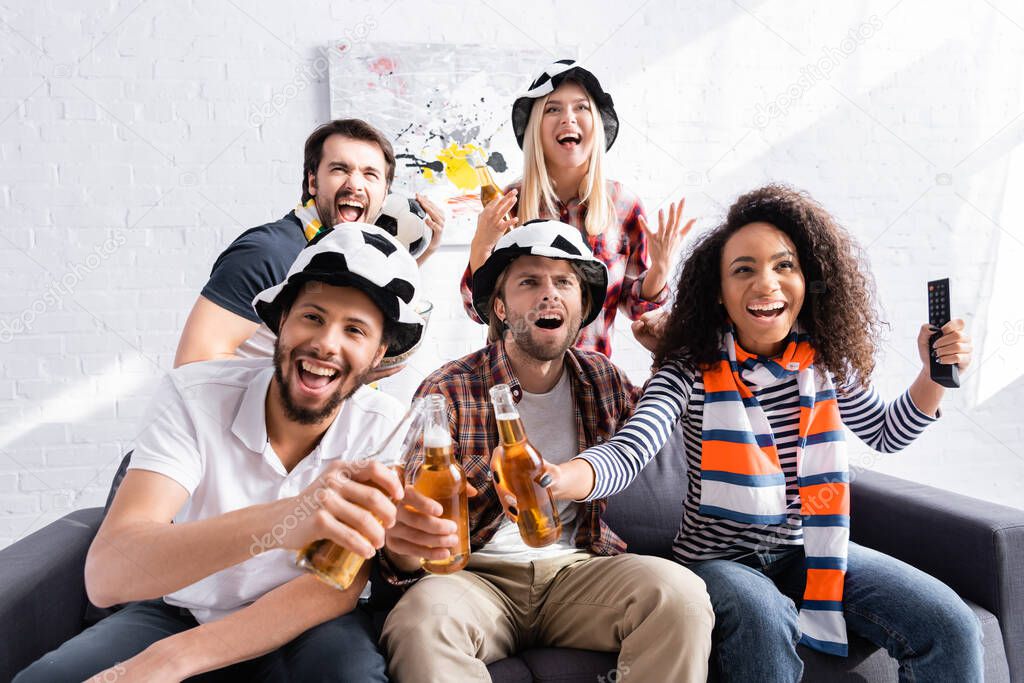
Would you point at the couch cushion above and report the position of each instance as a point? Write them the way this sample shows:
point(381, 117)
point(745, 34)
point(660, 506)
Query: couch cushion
point(864, 663)
point(997, 669)
point(648, 513)
point(975, 547)
point(551, 664)
point(510, 670)
point(42, 589)
point(869, 663)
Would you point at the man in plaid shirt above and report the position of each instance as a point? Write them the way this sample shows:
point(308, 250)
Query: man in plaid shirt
point(540, 285)
point(623, 247)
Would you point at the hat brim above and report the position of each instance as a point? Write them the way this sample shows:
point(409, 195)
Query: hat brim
point(523, 106)
point(486, 277)
point(408, 325)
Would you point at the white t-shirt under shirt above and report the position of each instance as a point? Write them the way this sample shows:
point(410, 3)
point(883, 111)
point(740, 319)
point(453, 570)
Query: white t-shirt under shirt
point(550, 422)
point(206, 429)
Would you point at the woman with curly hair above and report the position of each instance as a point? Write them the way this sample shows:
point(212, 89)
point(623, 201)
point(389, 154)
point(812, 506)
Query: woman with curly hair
point(767, 352)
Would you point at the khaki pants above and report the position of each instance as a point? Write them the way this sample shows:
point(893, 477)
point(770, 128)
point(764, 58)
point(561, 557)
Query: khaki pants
point(654, 612)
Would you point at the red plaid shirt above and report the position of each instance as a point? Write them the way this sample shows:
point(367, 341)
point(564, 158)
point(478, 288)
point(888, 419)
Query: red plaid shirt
point(623, 248)
point(604, 400)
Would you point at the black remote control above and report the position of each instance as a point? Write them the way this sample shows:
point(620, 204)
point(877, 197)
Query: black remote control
point(938, 315)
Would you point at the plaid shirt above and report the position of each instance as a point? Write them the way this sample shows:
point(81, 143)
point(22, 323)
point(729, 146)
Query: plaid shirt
point(623, 248)
point(604, 400)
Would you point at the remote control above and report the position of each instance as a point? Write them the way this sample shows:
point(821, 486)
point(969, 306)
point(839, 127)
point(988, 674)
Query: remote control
point(938, 315)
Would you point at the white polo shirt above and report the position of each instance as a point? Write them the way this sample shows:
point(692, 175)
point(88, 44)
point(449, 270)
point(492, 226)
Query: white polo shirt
point(206, 429)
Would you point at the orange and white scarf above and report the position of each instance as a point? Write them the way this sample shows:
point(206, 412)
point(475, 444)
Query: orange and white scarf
point(742, 480)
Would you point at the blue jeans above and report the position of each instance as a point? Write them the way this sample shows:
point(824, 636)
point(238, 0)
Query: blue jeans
point(342, 649)
point(919, 620)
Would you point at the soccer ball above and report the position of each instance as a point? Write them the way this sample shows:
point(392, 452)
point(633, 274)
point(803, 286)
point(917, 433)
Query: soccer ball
point(405, 219)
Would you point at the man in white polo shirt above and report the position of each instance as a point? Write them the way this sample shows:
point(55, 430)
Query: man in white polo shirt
point(252, 460)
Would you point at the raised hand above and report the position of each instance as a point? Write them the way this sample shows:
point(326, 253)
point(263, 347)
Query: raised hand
point(435, 221)
point(493, 222)
point(664, 244)
point(954, 346)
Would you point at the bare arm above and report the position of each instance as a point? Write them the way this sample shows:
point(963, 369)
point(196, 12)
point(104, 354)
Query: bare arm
point(291, 609)
point(136, 553)
point(211, 332)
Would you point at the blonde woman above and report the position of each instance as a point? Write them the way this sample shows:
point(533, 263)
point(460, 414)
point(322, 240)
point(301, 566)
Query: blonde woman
point(565, 123)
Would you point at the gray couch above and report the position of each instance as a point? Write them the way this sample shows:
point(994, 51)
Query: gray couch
point(974, 546)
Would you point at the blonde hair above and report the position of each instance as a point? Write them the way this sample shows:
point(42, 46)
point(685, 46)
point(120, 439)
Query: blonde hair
point(537, 194)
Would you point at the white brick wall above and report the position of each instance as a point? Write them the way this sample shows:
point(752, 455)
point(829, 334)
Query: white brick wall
point(127, 162)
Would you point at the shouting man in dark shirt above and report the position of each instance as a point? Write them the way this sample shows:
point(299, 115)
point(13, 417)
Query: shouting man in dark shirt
point(348, 169)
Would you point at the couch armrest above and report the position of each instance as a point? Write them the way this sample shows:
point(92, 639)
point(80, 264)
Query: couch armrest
point(975, 547)
point(42, 589)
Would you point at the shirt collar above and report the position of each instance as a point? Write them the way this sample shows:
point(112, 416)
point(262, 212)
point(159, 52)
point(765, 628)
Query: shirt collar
point(573, 361)
point(337, 441)
point(250, 424)
point(501, 369)
point(572, 203)
point(502, 373)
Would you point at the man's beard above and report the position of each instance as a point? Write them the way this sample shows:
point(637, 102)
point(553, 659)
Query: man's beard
point(520, 328)
point(310, 416)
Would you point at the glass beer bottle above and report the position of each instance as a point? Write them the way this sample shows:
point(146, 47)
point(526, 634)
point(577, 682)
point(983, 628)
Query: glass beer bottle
point(520, 468)
point(489, 190)
point(442, 479)
point(335, 565)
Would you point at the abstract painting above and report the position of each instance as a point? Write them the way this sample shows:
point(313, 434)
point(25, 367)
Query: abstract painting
point(438, 104)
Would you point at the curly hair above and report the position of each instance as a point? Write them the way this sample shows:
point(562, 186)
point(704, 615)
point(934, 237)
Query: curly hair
point(839, 307)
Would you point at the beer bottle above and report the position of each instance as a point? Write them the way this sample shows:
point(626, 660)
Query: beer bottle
point(338, 566)
point(442, 479)
point(489, 190)
point(520, 469)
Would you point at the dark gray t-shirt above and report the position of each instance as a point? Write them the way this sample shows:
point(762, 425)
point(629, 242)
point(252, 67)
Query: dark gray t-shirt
point(258, 258)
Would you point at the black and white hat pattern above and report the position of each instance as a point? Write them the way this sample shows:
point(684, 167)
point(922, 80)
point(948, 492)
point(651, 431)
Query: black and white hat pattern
point(550, 239)
point(362, 256)
point(403, 218)
point(548, 80)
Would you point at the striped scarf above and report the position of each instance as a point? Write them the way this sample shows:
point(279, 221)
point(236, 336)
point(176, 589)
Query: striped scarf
point(742, 480)
point(310, 218)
